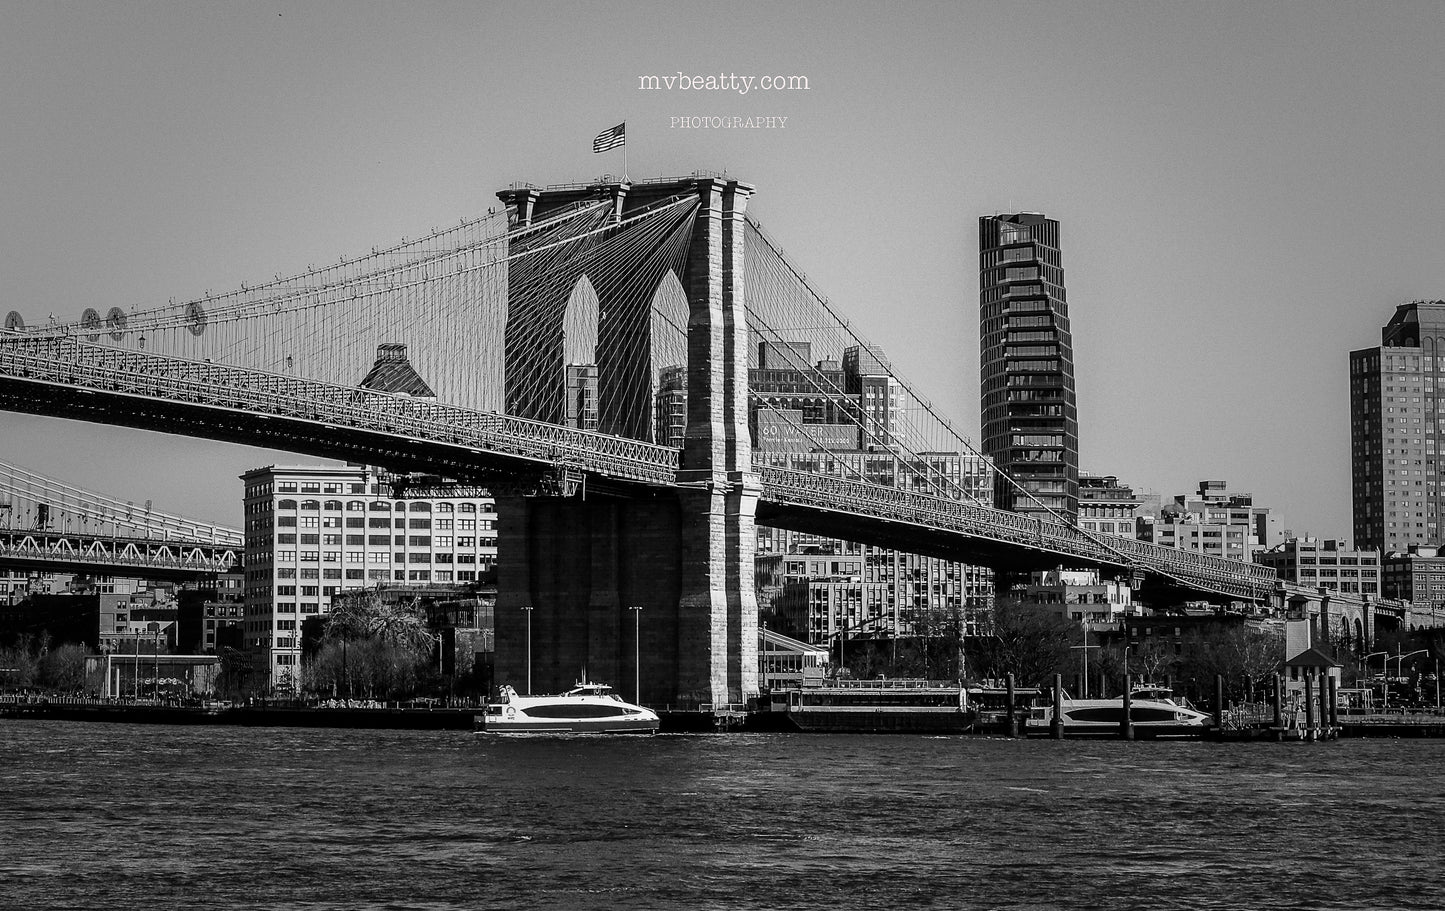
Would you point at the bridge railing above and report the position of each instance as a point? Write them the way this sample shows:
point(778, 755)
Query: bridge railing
point(860, 498)
point(72, 363)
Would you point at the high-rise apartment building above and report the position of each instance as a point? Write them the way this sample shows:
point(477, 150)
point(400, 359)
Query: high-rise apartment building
point(670, 420)
point(1396, 427)
point(312, 532)
point(841, 418)
point(882, 398)
point(1029, 417)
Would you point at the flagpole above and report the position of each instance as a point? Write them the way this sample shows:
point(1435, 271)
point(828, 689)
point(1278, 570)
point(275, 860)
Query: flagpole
point(624, 151)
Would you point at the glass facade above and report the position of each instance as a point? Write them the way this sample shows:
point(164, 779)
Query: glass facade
point(1029, 417)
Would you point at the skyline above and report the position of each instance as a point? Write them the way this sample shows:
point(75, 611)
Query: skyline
point(1219, 174)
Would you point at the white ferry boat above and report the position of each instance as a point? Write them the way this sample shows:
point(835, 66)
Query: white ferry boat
point(587, 708)
point(1154, 712)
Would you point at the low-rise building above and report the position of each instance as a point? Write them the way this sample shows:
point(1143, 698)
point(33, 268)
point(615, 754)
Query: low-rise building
point(784, 659)
point(312, 532)
point(1328, 563)
point(1080, 595)
point(1213, 522)
point(1106, 506)
point(1417, 576)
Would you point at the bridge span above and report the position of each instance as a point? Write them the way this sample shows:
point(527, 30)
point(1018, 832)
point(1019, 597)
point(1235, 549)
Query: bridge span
point(49, 526)
point(563, 334)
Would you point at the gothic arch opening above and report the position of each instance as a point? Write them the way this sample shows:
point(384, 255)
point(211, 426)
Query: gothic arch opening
point(579, 324)
point(668, 328)
point(579, 356)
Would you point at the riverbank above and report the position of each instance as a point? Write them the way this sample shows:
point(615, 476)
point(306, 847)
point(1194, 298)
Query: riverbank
point(255, 715)
point(369, 716)
point(378, 716)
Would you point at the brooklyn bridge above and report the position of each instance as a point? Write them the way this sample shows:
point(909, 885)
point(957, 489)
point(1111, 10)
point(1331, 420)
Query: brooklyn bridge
point(586, 353)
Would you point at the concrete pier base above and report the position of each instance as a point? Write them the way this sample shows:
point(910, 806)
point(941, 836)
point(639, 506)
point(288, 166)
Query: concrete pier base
point(581, 565)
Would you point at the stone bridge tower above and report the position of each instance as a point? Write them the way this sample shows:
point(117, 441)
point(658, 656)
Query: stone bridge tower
point(573, 569)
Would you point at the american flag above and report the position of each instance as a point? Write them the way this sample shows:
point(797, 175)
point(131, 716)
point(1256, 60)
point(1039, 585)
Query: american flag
point(610, 139)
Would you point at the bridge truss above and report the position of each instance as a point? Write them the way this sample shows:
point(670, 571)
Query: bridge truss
point(50, 526)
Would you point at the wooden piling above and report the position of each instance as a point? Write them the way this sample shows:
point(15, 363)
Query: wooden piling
point(1278, 702)
point(1309, 706)
point(1126, 724)
point(1219, 702)
point(1013, 728)
point(1056, 726)
point(1333, 686)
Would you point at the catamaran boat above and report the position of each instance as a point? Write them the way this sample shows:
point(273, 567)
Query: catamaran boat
point(587, 708)
point(1153, 711)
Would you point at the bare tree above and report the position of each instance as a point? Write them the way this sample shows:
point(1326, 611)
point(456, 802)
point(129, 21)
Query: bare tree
point(20, 664)
point(1154, 658)
point(1026, 640)
point(63, 668)
point(1244, 657)
point(367, 615)
point(373, 647)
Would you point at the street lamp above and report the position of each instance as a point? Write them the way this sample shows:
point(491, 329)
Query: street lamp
point(1385, 672)
point(1399, 664)
point(528, 609)
point(843, 631)
point(156, 658)
point(1084, 690)
point(1400, 660)
point(1437, 685)
point(636, 653)
point(763, 655)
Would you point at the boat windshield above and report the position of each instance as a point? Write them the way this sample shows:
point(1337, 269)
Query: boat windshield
point(1154, 693)
point(590, 689)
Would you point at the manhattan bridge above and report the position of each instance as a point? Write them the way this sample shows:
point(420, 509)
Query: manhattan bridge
point(548, 333)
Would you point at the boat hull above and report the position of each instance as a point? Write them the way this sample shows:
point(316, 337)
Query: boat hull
point(836, 720)
point(570, 726)
point(588, 708)
point(1141, 731)
point(1105, 718)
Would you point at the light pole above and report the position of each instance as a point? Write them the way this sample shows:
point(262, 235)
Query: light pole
point(156, 659)
point(1400, 660)
point(438, 638)
point(1400, 664)
point(1084, 690)
point(528, 609)
point(842, 634)
point(636, 653)
point(763, 656)
point(1385, 703)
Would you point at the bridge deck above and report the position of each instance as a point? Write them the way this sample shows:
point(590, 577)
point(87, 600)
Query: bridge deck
point(93, 382)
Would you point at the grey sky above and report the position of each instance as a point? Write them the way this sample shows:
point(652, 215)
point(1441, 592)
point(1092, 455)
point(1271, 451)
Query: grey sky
point(1245, 190)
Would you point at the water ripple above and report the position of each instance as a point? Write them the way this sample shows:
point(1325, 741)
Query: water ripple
point(127, 817)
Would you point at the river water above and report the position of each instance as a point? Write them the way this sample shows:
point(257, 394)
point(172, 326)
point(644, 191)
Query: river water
point(113, 816)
